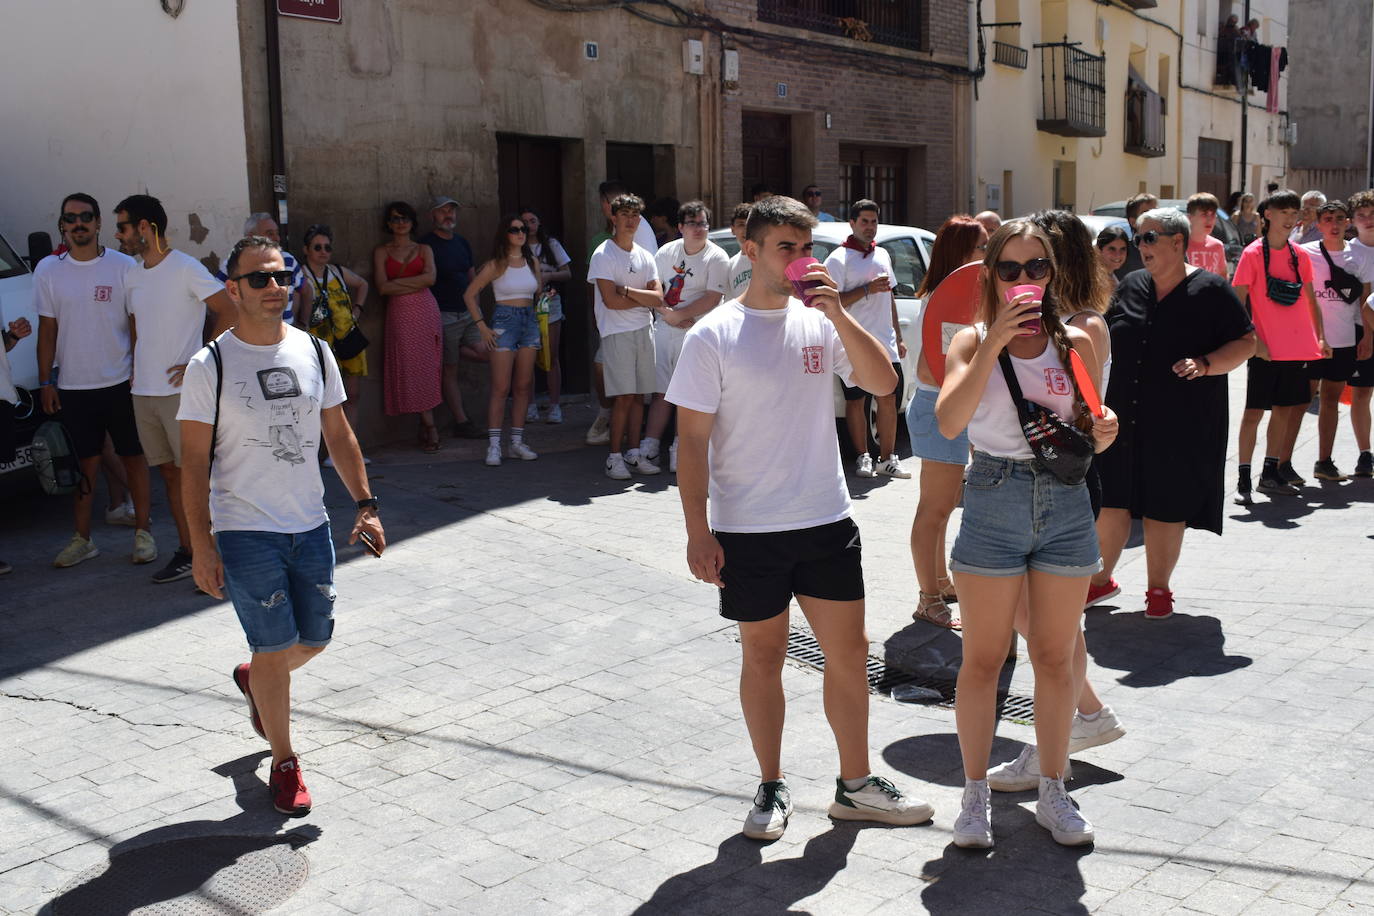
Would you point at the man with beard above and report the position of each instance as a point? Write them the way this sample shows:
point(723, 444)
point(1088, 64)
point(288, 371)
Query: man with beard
point(453, 271)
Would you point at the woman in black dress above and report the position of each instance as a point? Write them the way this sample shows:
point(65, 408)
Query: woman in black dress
point(1176, 331)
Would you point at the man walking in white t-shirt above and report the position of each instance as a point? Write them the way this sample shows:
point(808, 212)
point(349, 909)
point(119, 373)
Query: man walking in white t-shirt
point(83, 328)
point(626, 293)
point(863, 270)
point(254, 407)
point(168, 293)
point(694, 272)
point(755, 423)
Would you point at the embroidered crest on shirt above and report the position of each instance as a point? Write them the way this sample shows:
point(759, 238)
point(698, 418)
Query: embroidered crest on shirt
point(813, 360)
point(104, 293)
point(1057, 381)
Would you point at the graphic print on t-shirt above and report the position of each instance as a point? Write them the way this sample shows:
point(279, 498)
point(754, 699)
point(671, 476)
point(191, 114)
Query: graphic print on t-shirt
point(813, 358)
point(281, 431)
point(1057, 382)
point(681, 272)
point(104, 293)
point(279, 382)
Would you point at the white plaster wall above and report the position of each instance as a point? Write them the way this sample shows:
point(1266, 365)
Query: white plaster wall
point(115, 97)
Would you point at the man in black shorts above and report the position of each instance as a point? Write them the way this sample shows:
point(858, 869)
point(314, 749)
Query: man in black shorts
point(755, 425)
point(83, 329)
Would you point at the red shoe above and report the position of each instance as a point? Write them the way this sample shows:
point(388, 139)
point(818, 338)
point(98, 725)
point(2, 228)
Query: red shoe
point(1159, 604)
point(289, 794)
point(1100, 593)
point(240, 676)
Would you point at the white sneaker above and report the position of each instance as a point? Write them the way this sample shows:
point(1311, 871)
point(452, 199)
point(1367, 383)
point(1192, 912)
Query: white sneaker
point(1057, 813)
point(863, 467)
point(145, 548)
point(522, 451)
point(772, 807)
point(641, 465)
point(649, 448)
point(555, 414)
point(600, 432)
point(672, 458)
point(1021, 774)
point(1105, 729)
point(892, 467)
point(973, 828)
point(77, 550)
point(493, 455)
point(532, 414)
point(122, 515)
point(878, 800)
point(616, 469)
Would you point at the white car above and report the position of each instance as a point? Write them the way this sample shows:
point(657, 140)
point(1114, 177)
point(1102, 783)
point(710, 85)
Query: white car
point(909, 248)
point(16, 301)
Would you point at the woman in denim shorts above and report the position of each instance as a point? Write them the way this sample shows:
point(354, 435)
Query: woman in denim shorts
point(515, 279)
point(1020, 525)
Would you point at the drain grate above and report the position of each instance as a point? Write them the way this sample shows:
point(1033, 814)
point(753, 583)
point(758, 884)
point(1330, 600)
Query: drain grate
point(803, 647)
point(200, 876)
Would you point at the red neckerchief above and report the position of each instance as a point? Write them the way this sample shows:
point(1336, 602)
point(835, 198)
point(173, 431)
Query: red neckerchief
point(863, 248)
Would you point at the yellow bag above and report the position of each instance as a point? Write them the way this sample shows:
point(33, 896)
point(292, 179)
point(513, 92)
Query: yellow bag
point(544, 359)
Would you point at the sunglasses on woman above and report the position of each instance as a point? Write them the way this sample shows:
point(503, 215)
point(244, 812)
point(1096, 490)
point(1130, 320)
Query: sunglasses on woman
point(86, 216)
point(1149, 238)
point(1034, 269)
point(258, 278)
point(321, 247)
point(517, 230)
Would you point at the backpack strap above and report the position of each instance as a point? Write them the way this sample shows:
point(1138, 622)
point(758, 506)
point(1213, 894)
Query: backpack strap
point(324, 373)
point(213, 347)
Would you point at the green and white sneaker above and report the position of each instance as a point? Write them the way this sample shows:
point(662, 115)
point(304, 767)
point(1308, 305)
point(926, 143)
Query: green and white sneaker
point(77, 551)
point(772, 807)
point(878, 800)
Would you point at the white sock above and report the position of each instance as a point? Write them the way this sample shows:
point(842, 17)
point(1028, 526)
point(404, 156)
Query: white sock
point(854, 785)
point(615, 455)
point(632, 455)
point(648, 443)
point(517, 435)
point(494, 437)
point(603, 413)
point(1090, 717)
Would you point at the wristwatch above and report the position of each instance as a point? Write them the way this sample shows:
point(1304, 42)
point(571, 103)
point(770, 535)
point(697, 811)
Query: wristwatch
point(370, 503)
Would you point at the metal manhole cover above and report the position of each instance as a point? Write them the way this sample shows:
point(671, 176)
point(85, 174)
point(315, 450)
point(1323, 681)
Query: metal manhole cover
point(200, 876)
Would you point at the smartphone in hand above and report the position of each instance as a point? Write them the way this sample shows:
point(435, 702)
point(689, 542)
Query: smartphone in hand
point(370, 544)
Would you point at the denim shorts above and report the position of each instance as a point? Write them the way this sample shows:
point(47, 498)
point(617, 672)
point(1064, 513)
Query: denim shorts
point(281, 586)
point(927, 442)
point(1018, 516)
point(516, 327)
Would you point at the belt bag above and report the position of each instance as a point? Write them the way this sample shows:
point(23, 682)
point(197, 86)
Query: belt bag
point(1282, 292)
point(1059, 446)
point(1342, 282)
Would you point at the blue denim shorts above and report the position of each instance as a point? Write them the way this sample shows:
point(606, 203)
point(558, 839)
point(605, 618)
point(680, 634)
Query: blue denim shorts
point(927, 442)
point(516, 327)
point(281, 586)
point(1019, 516)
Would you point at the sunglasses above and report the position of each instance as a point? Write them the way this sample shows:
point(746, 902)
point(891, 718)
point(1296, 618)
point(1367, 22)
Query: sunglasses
point(321, 247)
point(86, 217)
point(398, 219)
point(812, 194)
point(516, 230)
point(1149, 238)
point(1034, 269)
point(258, 278)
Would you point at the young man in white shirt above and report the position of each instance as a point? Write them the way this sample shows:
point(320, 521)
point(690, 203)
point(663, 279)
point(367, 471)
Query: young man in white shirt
point(626, 293)
point(254, 407)
point(1362, 379)
point(83, 328)
point(863, 270)
point(694, 273)
point(740, 265)
point(1341, 277)
point(754, 399)
point(168, 293)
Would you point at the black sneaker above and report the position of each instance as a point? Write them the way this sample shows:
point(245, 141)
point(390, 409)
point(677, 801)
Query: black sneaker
point(1271, 482)
point(1364, 467)
point(1244, 494)
point(468, 430)
point(1327, 470)
point(1291, 476)
point(179, 567)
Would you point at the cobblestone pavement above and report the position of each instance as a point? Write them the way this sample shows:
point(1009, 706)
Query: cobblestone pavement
point(530, 707)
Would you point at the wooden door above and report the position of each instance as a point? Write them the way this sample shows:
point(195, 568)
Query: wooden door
point(767, 152)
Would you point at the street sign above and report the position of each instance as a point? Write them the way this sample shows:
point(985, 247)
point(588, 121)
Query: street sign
point(323, 10)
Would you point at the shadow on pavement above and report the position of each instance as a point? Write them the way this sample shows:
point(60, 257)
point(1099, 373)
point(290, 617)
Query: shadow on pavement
point(1155, 653)
point(936, 759)
point(739, 879)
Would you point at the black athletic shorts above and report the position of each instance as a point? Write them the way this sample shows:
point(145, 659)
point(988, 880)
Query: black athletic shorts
point(1362, 376)
point(763, 571)
point(6, 432)
point(1276, 383)
point(1338, 368)
point(857, 394)
point(90, 413)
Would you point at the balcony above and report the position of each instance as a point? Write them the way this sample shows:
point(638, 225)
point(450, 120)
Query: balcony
point(1010, 55)
point(885, 22)
point(1144, 119)
point(1073, 91)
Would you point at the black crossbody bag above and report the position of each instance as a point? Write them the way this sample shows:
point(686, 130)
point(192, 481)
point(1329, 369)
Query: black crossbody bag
point(1282, 292)
point(1342, 282)
point(1059, 446)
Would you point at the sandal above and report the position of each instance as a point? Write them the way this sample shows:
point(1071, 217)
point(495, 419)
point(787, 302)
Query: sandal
point(932, 609)
point(429, 438)
point(946, 593)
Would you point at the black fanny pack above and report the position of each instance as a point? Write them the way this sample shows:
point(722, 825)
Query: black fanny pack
point(1342, 282)
point(1282, 292)
point(1059, 446)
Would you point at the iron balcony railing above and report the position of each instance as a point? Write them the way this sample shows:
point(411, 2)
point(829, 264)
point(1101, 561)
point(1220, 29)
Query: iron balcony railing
point(1144, 120)
point(1010, 55)
point(887, 22)
point(1073, 91)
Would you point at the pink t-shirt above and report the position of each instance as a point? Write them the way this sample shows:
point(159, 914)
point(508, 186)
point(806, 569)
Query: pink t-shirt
point(1209, 253)
point(1287, 330)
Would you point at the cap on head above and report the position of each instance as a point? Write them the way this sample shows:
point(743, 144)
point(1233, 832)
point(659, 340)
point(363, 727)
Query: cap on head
point(443, 201)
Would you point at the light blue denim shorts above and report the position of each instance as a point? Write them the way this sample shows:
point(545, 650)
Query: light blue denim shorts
point(516, 327)
point(281, 586)
point(927, 442)
point(1018, 516)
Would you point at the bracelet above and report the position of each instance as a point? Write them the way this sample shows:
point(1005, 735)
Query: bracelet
point(1206, 365)
point(481, 321)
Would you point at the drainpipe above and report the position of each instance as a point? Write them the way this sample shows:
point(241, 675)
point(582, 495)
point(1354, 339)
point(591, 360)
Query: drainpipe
point(972, 118)
point(274, 120)
point(1244, 111)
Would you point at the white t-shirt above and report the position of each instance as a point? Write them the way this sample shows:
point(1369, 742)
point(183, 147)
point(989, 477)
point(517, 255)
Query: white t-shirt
point(765, 374)
point(88, 301)
point(741, 269)
point(633, 268)
point(1338, 316)
point(266, 474)
point(557, 253)
point(167, 303)
point(687, 277)
point(851, 269)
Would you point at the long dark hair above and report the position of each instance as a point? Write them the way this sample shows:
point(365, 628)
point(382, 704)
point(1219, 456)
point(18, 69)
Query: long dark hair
point(1080, 278)
point(500, 245)
point(542, 237)
point(954, 242)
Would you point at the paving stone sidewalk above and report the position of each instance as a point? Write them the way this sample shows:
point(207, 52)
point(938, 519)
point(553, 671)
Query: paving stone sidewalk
point(530, 707)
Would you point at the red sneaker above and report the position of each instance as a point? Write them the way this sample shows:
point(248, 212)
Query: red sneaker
point(240, 676)
point(1159, 604)
point(289, 794)
point(1100, 593)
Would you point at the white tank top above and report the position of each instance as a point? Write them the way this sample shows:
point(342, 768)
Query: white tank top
point(995, 427)
point(1107, 363)
point(515, 283)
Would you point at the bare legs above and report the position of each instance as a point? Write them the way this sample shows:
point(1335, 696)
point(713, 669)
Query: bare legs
point(1359, 416)
point(627, 418)
point(1328, 416)
point(660, 411)
point(1163, 544)
point(171, 478)
point(269, 678)
point(941, 485)
point(1113, 528)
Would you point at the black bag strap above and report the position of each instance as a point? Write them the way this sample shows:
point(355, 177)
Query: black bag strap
point(213, 347)
point(1350, 278)
point(1013, 385)
point(1292, 254)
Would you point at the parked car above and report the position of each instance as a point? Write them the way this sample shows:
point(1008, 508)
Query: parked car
point(16, 301)
point(1224, 228)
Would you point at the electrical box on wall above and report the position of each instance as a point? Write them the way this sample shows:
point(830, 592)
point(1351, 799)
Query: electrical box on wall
point(730, 67)
point(994, 197)
point(1101, 31)
point(693, 56)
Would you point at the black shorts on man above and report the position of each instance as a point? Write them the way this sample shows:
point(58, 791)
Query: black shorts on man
point(1338, 368)
point(855, 393)
point(1276, 383)
point(1362, 376)
point(90, 413)
point(764, 570)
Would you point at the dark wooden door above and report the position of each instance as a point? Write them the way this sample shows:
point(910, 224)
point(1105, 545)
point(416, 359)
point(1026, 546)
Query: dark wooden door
point(877, 173)
point(1214, 168)
point(767, 152)
point(632, 164)
point(530, 174)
